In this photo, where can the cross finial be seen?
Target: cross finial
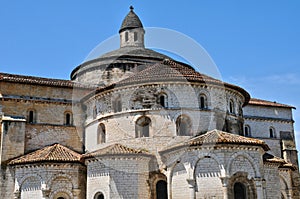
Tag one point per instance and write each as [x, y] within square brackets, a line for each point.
[131, 8]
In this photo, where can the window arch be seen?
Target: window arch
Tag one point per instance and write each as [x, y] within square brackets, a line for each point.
[203, 101]
[142, 127]
[99, 195]
[68, 118]
[161, 190]
[163, 100]
[183, 126]
[117, 104]
[135, 35]
[94, 112]
[126, 36]
[240, 191]
[101, 134]
[31, 116]
[247, 131]
[272, 132]
[231, 106]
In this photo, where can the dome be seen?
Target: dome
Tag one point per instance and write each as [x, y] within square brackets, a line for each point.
[131, 21]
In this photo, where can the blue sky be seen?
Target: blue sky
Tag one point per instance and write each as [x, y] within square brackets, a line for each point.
[255, 44]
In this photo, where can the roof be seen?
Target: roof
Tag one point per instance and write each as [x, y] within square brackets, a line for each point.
[221, 137]
[115, 149]
[53, 153]
[5, 77]
[131, 21]
[260, 102]
[132, 51]
[217, 137]
[170, 70]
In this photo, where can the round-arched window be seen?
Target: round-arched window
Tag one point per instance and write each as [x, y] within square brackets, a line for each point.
[99, 195]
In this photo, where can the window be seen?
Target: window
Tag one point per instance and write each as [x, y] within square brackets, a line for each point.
[31, 118]
[142, 127]
[99, 195]
[101, 134]
[247, 132]
[68, 119]
[161, 190]
[135, 36]
[94, 112]
[239, 191]
[203, 101]
[272, 132]
[231, 106]
[183, 126]
[126, 36]
[162, 100]
[117, 105]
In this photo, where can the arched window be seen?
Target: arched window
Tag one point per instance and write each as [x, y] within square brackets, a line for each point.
[142, 127]
[163, 100]
[161, 190]
[231, 106]
[272, 132]
[183, 126]
[135, 36]
[94, 112]
[99, 195]
[239, 191]
[101, 134]
[117, 105]
[68, 119]
[31, 116]
[126, 36]
[247, 131]
[202, 101]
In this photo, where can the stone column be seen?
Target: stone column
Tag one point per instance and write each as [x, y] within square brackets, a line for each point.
[259, 188]
[76, 193]
[17, 194]
[169, 183]
[45, 191]
[192, 183]
[225, 186]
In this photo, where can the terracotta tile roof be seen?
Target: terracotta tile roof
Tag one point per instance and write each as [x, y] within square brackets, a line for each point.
[221, 137]
[53, 153]
[169, 70]
[260, 102]
[216, 137]
[5, 77]
[115, 149]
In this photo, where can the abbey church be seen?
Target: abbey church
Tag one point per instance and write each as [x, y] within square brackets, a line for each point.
[136, 124]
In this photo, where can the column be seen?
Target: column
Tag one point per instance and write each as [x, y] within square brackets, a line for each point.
[76, 193]
[17, 194]
[225, 186]
[45, 191]
[192, 183]
[259, 188]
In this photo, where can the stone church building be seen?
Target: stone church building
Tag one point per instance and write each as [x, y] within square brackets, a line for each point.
[134, 123]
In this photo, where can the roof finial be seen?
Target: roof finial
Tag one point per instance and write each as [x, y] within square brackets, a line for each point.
[131, 8]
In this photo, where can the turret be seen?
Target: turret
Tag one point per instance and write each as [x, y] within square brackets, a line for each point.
[132, 31]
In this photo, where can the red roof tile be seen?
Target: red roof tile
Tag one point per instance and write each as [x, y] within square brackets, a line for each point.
[53, 153]
[115, 149]
[260, 102]
[216, 137]
[169, 70]
[221, 137]
[5, 77]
